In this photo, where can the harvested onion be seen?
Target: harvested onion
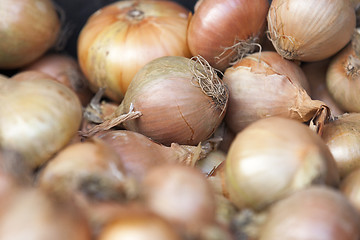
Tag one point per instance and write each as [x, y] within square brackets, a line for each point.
[343, 81]
[350, 187]
[342, 137]
[65, 69]
[120, 38]
[28, 29]
[172, 99]
[315, 213]
[39, 116]
[274, 157]
[310, 30]
[223, 31]
[263, 85]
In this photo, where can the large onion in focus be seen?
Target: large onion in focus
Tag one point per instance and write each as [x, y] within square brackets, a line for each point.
[39, 116]
[27, 30]
[120, 38]
[310, 30]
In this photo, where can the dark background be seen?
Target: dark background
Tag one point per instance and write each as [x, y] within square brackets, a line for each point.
[76, 13]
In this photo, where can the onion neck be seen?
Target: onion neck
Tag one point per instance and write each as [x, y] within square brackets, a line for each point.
[135, 14]
[353, 66]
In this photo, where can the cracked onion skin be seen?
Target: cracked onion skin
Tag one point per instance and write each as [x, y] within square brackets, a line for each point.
[121, 37]
[39, 117]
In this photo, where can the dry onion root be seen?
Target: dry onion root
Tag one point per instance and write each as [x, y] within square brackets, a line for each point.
[263, 85]
[341, 135]
[172, 100]
[310, 30]
[274, 157]
[224, 31]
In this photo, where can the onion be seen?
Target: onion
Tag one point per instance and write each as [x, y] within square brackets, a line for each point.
[120, 38]
[350, 186]
[65, 69]
[138, 154]
[39, 118]
[315, 213]
[28, 29]
[342, 137]
[223, 31]
[274, 157]
[139, 226]
[91, 169]
[263, 85]
[180, 194]
[316, 74]
[41, 216]
[310, 30]
[172, 99]
[343, 81]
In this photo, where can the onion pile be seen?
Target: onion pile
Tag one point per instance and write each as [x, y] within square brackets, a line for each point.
[120, 38]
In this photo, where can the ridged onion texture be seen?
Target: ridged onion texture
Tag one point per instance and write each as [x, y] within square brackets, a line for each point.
[120, 38]
[263, 85]
[274, 157]
[27, 30]
[179, 100]
[310, 30]
[342, 135]
[39, 116]
[343, 79]
[223, 31]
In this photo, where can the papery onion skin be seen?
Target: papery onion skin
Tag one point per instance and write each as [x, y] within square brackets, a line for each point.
[342, 137]
[27, 30]
[66, 70]
[343, 80]
[220, 24]
[120, 38]
[315, 213]
[272, 87]
[274, 157]
[39, 118]
[310, 30]
[174, 108]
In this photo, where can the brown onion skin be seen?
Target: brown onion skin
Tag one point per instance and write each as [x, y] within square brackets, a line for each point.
[217, 24]
[342, 137]
[316, 74]
[112, 46]
[350, 187]
[65, 69]
[29, 29]
[343, 84]
[273, 87]
[274, 157]
[180, 194]
[315, 213]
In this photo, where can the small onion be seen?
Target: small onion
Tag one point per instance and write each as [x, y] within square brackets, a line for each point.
[65, 69]
[310, 30]
[343, 80]
[39, 116]
[31, 213]
[263, 85]
[274, 157]
[315, 72]
[138, 154]
[91, 169]
[139, 226]
[315, 213]
[120, 38]
[175, 99]
[350, 187]
[28, 29]
[180, 194]
[223, 31]
[342, 136]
